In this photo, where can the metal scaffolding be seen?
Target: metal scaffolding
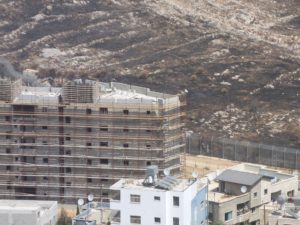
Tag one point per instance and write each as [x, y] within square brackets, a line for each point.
[57, 149]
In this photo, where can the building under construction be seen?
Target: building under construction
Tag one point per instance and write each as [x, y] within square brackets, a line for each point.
[64, 143]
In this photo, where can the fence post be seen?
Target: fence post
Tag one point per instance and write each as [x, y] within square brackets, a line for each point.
[284, 157]
[272, 156]
[296, 164]
[247, 152]
[259, 153]
[235, 150]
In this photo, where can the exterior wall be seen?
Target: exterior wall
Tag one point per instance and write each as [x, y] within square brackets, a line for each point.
[190, 211]
[231, 206]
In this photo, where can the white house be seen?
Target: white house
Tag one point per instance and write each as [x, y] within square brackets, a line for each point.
[168, 201]
[27, 212]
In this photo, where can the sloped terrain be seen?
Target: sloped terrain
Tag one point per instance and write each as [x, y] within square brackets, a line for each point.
[239, 60]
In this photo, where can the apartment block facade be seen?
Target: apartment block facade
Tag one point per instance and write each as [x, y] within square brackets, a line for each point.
[63, 143]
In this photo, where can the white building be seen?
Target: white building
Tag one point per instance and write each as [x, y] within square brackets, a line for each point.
[169, 201]
[21, 212]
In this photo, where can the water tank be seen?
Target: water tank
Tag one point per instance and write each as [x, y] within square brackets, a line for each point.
[152, 171]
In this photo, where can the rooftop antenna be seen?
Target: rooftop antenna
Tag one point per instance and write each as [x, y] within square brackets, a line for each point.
[244, 189]
[80, 203]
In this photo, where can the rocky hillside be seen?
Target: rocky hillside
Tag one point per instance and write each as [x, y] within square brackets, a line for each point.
[239, 59]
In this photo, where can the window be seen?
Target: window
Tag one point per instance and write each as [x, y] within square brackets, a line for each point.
[68, 170]
[45, 178]
[103, 110]
[156, 198]
[228, 216]
[266, 191]
[7, 136]
[253, 210]
[125, 130]
[7, 118]
[45, 142]
[44, 127]
[8, 150]
[68, 119]
[68, 138]
[254, 194]
[45, 160]
[175, 201]
[104, 144]
[68, 152]
[88, 111]
[156, 220]
[44, 109]
[104, 161]
[175, 221]
[104, 180]
[290, 193]
[135, 219]
[104, 128]
[125, 145]
[89, 162]
[89, 129]
[148, 146]
[88, 144]
[148, 112]
[135, 198]
[89, 180]
[126, 112]
[68, 184]
[148, 163]
[126, 163]
[148, 131]
[8, 168]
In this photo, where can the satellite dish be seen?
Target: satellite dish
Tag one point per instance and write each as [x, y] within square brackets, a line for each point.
[194, 174]
[281, 200]
[80, 202]
[244, 189]
[166, 172]
[90, 197]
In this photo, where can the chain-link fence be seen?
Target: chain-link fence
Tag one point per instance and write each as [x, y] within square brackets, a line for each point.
[244, 151]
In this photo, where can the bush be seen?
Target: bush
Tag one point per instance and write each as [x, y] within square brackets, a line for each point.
[64, 219]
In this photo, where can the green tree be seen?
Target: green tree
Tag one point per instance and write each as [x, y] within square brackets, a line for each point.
[218, 223]
[77, 210]
[64, 219]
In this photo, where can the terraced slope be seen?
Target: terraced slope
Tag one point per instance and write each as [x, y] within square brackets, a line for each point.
[239, 60]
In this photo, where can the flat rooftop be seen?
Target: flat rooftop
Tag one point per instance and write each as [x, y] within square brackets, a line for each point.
[105, 92]
[26, 205]
[35, 95]
[181, 186]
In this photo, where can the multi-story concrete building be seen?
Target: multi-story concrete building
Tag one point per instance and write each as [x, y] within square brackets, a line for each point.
[237, 194]
[20, 212]
[166, 201]
[64, 143]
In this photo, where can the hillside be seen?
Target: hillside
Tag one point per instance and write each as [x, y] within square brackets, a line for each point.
[239, 59]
